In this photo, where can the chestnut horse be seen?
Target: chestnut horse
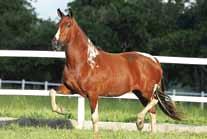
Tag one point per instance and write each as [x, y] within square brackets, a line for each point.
[91, 73]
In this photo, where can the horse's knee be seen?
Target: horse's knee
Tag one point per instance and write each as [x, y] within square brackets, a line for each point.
[52, 92]
[63, 89]
[94, 116]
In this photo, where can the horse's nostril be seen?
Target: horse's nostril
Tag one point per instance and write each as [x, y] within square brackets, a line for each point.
[56, 45]
[54, 41]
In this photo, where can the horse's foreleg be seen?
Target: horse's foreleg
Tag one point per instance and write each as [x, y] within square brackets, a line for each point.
[55, 108]
[94, 115]
[141, 115]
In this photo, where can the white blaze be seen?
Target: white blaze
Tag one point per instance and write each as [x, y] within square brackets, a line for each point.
[148, 55]
[57, 35]
[92, 53]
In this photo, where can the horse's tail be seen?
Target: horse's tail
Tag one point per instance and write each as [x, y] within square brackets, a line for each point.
[166, 104]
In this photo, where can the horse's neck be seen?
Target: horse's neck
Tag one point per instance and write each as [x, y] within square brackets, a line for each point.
[81, 51]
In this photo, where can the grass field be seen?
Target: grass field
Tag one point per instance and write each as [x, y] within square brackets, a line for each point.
[109, 109]
[16, 132]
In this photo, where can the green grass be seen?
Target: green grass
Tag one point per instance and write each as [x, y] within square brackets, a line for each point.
[17, 132]
[109, 109]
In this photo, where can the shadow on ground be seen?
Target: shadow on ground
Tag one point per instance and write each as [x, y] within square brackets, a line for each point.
[26, 122]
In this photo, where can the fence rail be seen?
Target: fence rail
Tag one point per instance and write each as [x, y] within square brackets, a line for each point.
[129, 95]
[23, 85]
[54, 54]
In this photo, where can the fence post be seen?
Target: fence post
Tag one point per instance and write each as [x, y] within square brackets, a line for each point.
[23, 84]
[81, 111]
[46, 85]
[0, 83]
[174, 92]
[202, 95]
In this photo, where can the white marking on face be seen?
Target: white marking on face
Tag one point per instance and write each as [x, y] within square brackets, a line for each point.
[92, 53]
[148, 55]
[57, 35]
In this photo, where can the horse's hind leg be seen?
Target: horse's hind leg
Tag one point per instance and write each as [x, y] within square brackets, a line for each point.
[152, 113]
[55, 108]
[149, 107]
[140, 118]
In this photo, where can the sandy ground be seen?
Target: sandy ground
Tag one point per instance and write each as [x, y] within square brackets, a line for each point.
[164, 127]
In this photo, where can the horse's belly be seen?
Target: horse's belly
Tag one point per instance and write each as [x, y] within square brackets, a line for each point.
[115, 94]
[118, 87]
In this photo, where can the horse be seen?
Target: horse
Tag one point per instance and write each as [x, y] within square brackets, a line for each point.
[92, 72]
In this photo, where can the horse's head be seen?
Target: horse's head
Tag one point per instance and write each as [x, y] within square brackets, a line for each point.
[63, 35]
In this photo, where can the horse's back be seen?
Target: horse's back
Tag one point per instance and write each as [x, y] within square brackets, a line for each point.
[143, 64]
[136, 63]
[127, 71]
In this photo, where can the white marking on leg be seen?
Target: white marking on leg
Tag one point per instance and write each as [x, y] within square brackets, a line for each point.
[53, 101]
[148, 55]
[155, 88]
[55, 107]
[95, 119]
[152, 103]
[141, 115]
[57, 35]
[153, 122]
[92, 53]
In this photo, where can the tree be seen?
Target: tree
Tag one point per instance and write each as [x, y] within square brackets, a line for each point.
[16, 19]
[21, 29]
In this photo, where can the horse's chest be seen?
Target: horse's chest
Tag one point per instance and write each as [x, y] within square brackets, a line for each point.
[69, 78]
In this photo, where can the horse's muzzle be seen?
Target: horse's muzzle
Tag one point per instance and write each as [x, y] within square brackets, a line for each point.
[55, 44]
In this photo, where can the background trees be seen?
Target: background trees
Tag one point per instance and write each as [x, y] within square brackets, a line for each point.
[21, 29]
[150, 26]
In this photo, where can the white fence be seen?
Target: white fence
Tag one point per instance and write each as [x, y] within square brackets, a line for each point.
[54, 54]
[81, 111]
[22, 84]
[45, 85]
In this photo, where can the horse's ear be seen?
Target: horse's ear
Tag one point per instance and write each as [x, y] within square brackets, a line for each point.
[60, 13]
[70, 14]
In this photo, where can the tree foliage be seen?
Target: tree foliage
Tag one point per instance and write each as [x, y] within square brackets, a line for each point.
[21, 29]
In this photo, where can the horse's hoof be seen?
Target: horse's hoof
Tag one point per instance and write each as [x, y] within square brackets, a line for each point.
[140, 124]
